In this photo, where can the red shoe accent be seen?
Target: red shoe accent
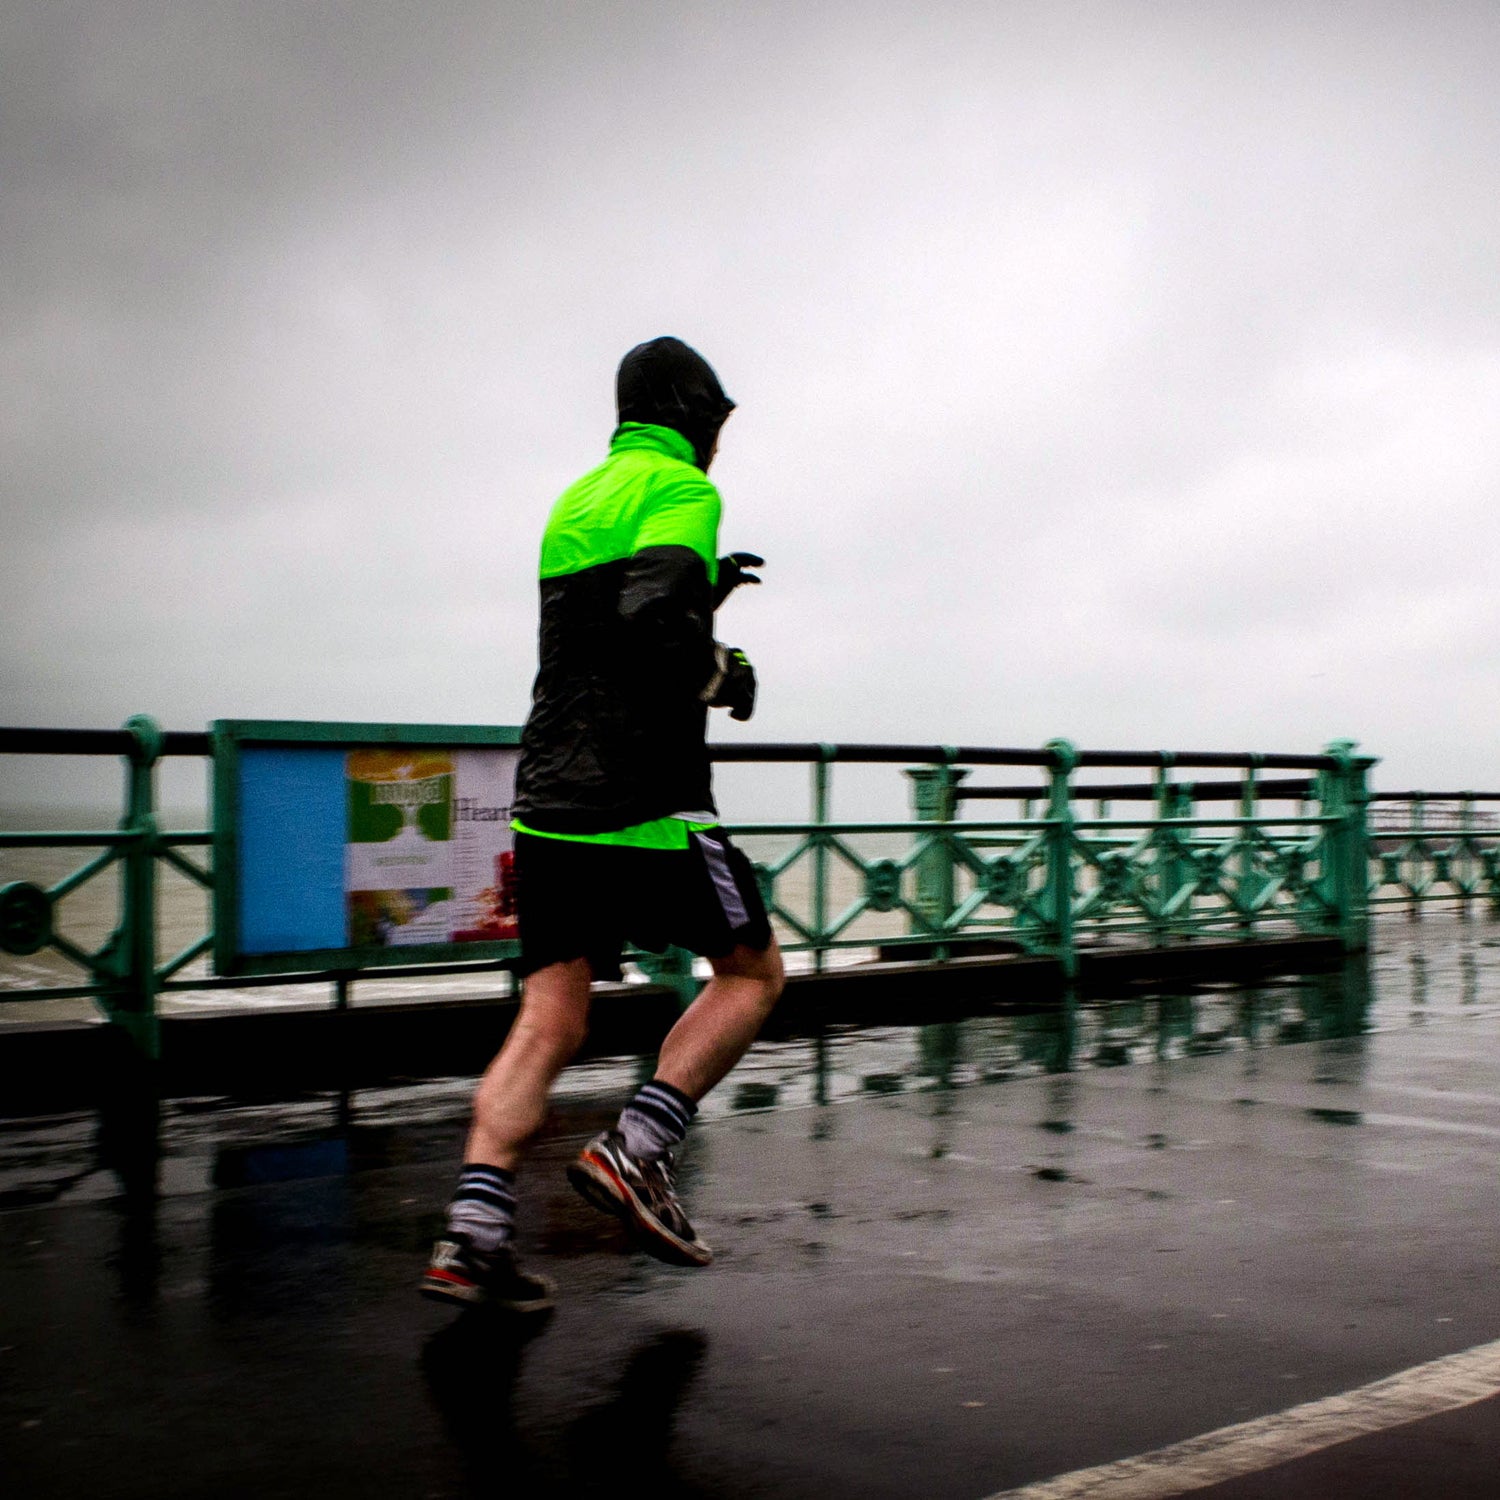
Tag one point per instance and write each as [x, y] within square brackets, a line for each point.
[609, 1172]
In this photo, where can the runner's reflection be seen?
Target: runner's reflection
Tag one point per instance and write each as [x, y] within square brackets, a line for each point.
[638, 1420]
[473, 1369]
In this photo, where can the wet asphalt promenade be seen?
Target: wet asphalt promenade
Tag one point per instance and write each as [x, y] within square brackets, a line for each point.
[944, 1271]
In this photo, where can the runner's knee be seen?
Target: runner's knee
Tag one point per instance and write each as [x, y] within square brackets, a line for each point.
[553, 1030]
[762, 967]
[775, 974]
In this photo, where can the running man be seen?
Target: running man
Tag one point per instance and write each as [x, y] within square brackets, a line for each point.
[617, 837]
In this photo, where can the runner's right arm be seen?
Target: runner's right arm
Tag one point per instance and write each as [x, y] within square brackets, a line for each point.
[667, 598]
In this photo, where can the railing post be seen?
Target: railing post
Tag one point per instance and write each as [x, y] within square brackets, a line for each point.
[1176, 801]
[1464, 855]
[821, 775]
[1345, 877]
[131, 1000]
[1173, 800]
[933, 800]
[1245, 884]
[1058, 903]
[1419, 844]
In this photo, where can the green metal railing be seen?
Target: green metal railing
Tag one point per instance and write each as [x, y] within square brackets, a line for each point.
[1073, 861]
[1051, 878]
[125, 975]
[1434, 846]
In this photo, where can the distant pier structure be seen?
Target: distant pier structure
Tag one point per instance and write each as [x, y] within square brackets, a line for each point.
[1428, 813]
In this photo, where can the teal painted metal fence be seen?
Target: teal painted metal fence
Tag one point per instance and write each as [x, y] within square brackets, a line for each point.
[1070, 860]
[1434, 846]
[1067, 866]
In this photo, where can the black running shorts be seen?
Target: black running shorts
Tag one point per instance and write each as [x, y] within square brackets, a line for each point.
[582, 900]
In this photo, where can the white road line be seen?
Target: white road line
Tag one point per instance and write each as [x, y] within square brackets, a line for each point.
[1443, 1096]
[1247, 1448]
[1441, 1127]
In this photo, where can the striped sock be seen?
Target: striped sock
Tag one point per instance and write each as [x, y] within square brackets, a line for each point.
[656, 1120]
[484, 1206]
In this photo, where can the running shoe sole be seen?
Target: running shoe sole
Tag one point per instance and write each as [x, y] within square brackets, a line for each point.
[468, 1296]
[440, 1285]
[597, 1182]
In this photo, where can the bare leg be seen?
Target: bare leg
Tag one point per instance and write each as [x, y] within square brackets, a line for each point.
[511, 1101]
[712, 1034]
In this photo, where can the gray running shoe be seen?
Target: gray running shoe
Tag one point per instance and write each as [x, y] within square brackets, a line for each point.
[466, 1277]
[641, 1192]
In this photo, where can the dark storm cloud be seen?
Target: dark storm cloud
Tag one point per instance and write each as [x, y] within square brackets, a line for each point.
[1124, 371]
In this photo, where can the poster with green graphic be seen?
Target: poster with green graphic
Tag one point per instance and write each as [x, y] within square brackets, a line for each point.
[427, 858]
[341, 846]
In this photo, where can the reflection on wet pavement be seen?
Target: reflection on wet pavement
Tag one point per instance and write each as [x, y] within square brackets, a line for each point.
[255, 1259]
[1440, 967]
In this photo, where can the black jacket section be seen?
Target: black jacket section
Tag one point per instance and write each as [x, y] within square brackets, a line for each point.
[616, 731]
[667, 383]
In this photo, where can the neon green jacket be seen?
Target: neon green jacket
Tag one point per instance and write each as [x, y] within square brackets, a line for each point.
[615, 735]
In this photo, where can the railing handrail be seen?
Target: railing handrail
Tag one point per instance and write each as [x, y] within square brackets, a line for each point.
[1299, 790]
[41, 741]
[983, 755]
[1435, 796]
[19, 741]
[880, 754]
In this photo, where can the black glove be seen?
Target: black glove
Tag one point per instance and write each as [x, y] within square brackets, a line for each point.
[733, 684]
[732, 574]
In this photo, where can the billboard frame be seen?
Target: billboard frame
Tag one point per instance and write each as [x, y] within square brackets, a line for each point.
[228, 738]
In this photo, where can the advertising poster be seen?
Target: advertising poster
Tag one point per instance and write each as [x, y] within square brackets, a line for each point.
[370, 847]
[428, 854]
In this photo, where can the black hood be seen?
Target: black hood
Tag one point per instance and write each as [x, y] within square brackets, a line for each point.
[667, 383]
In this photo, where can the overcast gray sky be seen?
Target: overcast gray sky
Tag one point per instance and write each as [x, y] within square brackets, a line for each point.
[1128, 372]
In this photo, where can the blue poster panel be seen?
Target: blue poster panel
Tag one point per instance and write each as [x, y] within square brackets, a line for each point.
[345, 853]
[291, 850]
